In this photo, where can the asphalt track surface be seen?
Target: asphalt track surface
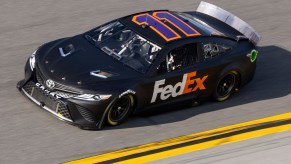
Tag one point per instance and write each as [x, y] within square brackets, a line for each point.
[271, 149]
[30, 135]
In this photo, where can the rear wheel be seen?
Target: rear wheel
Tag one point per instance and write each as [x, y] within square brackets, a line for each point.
[226, 86]
[120, 110]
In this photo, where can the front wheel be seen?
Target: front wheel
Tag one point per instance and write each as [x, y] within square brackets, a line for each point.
[120, 110]
[226, 86]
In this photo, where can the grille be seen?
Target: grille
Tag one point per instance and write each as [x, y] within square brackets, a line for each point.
[87, 114]
[63, 110]
[48, 100]
[28, 87]
[41, 79]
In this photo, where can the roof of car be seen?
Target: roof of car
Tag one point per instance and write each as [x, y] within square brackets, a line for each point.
[164, 26]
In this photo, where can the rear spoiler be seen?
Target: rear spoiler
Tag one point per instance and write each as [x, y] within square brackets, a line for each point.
[230, 19]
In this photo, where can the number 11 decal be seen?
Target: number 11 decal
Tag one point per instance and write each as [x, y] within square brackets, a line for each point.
[156, 24]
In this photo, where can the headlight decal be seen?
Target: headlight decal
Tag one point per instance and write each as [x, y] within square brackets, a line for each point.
[91, 97]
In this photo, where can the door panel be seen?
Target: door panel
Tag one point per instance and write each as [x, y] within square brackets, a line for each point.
[185, 83]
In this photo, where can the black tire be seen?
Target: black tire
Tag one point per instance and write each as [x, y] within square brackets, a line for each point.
[120, 110]
[226, 86]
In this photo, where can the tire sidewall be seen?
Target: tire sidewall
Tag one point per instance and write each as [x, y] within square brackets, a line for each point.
[115, 123]
[215, 95]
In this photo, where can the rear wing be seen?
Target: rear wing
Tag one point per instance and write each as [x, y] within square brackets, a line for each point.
[230, 19]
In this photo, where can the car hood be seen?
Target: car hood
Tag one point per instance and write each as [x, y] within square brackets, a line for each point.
[75, 61]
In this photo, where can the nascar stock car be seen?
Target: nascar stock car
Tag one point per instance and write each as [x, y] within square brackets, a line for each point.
[141, 62]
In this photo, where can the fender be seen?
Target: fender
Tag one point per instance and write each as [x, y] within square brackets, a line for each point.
[100, 125]
[232, 67]
[129, 91]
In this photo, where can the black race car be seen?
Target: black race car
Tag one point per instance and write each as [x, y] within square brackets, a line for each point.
[142, 62]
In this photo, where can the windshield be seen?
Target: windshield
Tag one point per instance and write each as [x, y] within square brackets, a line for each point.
[126, 46]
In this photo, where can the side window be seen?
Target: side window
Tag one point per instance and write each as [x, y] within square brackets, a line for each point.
[208, 51]
[178, 58]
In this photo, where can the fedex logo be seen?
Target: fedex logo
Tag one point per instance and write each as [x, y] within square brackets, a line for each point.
[190, 83]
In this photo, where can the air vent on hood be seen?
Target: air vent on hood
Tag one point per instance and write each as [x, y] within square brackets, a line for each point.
[67, 50]
[102, 74]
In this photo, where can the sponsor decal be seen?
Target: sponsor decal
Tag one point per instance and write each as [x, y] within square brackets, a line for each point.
[53, 94]
[50, 84]
[127, 92]
[190, 83]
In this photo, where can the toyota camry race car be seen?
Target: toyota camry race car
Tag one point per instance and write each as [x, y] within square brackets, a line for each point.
[141, 62]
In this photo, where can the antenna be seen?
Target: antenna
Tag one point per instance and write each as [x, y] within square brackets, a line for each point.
[147, 24]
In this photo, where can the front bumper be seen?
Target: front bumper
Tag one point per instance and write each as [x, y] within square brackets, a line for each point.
[81, 113]
[45, 106]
